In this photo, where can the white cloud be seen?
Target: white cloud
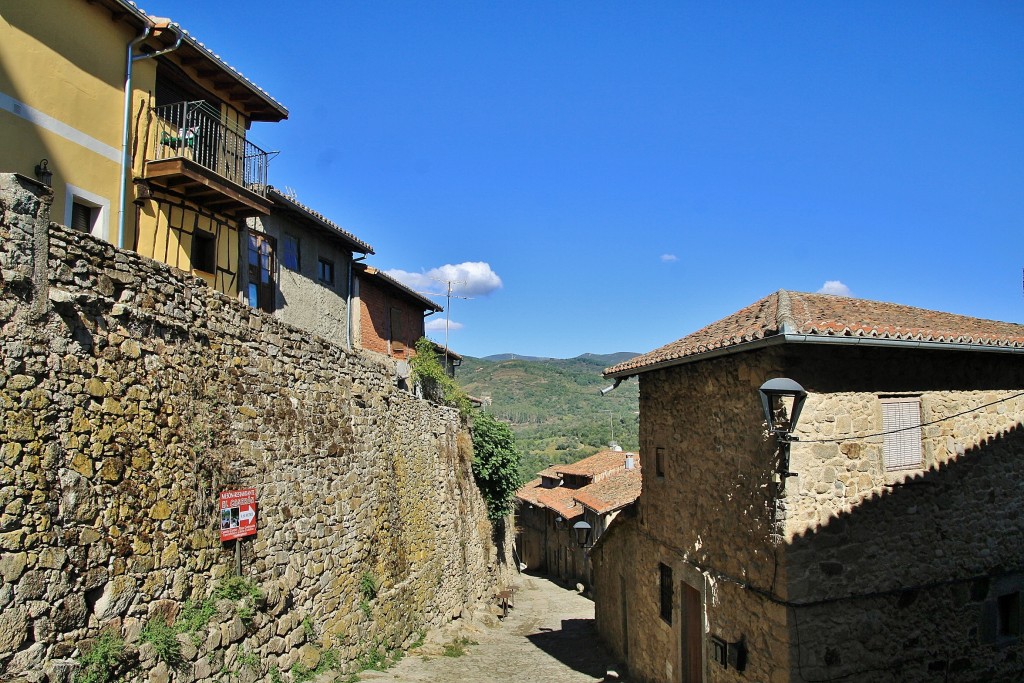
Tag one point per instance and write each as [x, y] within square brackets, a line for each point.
[472, 278]
[669, 258]
[834, 287]
[437, 325]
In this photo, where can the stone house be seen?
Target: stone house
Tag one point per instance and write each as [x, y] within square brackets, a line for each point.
[592, 490]
[887, 548]
[162, 166]
[388, 316]
[300, 268]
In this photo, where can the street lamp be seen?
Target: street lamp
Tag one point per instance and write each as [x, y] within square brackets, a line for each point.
[582, 531]
[43, 173]
[789, 397]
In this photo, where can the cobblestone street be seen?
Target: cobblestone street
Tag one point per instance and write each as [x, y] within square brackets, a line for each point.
[548, 637]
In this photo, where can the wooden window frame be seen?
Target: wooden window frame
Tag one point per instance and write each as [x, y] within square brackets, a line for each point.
[323, 266]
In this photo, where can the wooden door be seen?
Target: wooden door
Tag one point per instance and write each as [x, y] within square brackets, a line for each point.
[692, 635]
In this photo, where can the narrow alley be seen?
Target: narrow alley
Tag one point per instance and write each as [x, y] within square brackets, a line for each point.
[548, 637]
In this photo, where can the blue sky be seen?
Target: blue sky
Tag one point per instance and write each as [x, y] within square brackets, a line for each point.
[630, 172]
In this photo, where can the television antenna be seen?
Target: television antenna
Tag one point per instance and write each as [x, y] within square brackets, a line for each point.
[448, 307]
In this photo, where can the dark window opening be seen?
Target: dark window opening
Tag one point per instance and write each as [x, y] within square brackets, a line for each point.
[325, 271]
[659, 461]
[1009, 614]
[82, 217]
[666, 593]
[204, 251]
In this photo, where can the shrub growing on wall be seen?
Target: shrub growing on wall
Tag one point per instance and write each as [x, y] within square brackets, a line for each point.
[495, 464]
[437, 385]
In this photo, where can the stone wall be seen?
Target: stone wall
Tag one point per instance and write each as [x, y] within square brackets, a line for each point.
[913, 562]
[846, 571]
[131, 394]
[711, 519]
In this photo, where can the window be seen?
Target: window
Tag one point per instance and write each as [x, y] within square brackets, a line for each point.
[204, 251]
[666, 592]
[82, 217]
[396, 330]
[659, 461]
[290, 252]
[86, 212]
[901, 422]
[1008, 615]
[325, 271]
[261, 272]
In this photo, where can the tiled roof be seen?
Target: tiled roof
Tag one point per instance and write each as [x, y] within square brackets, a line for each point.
[597, 464]
[826, 317]
[291, 204]
[613, 486]
[387, 279]
[528, 492]
[550, 472]
[275, 110]
[562, 500]
[611, 493]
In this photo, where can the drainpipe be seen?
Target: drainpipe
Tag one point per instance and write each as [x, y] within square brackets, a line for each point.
[348, 304]
[155, 23]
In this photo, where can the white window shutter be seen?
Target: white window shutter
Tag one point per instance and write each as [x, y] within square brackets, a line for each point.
[901, 422]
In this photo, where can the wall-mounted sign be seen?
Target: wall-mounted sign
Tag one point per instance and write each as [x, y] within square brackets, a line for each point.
[237, 514]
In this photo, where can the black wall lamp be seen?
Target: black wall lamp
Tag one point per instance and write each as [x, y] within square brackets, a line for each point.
[43, 173]
[582, 531]
[782, 399]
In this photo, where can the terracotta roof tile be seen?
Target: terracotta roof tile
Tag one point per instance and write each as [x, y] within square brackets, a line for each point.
[562, 500]
[611, 493]
[294, 205]
[827, 315]
[598, 464]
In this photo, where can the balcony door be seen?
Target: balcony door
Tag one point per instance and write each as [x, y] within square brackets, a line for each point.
[262, 269]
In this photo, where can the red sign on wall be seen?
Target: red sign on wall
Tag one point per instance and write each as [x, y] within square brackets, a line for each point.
[237, 514]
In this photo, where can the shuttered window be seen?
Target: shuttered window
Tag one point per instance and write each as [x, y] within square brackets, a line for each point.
[901, 422]
[81, 217]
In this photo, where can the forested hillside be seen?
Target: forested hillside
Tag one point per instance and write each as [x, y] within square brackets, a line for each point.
[554, 406]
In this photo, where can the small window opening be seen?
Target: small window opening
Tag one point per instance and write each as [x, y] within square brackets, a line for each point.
[1009, 614]
[204, 251]
[82, 217]
[325, 271]
[659, 461]
[666, 592]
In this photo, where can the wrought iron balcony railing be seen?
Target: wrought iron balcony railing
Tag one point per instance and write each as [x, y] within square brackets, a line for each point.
[194, 131]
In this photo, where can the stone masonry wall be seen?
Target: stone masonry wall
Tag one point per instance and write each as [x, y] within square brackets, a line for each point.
[711, 518]
[131, 394]
[847, 572]
[914, 562]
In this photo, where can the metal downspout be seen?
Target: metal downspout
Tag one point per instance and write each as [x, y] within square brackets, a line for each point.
[129, 61]
[348, 304]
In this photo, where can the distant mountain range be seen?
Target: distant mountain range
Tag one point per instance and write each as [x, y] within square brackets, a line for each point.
[555, 406]
[609, 358]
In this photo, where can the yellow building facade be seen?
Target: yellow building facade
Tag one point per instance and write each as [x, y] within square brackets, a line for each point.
[171, 175]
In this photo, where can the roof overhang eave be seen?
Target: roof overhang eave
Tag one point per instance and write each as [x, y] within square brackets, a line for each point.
[792, 338]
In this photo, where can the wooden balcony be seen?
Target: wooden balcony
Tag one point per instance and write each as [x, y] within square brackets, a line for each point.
[194, 154]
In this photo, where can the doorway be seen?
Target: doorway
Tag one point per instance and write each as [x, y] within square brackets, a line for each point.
[691, 635]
